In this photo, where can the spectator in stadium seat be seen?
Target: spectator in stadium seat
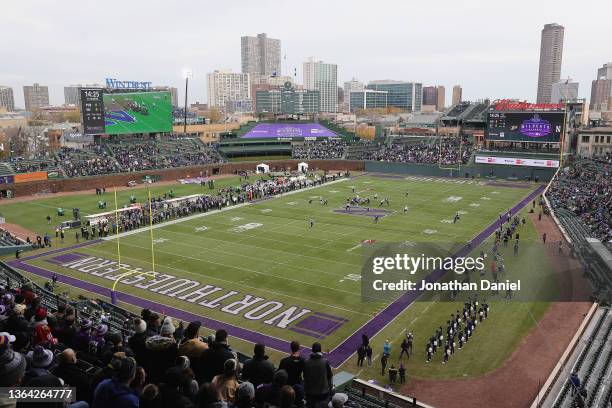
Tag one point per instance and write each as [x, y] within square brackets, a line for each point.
[136, 343]
[40, 362]
[115, 392]
[293, 365]
[161, 352]
[208, 397]
[82, 337]
[245, 395]
[192, 345]
[17, 325]
[12, 364]
[68, 370]
[171, 395]
[269, 394]
[287, 397]
[226, 383]
[258, 370]
[41, 331]
[317, 377]
[214, 358]
[150, 397]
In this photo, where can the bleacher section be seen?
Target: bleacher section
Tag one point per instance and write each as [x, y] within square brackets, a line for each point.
[592, 363]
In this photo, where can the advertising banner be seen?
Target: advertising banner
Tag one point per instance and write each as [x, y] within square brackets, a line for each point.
[35, 176]
[514, 161]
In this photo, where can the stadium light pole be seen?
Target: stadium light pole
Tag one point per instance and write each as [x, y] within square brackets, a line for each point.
[188, 74]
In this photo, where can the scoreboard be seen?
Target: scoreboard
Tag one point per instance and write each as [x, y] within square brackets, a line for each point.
[526, 126]
[92, 108]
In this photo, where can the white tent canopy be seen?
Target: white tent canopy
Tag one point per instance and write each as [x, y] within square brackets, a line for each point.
[303, 167]
[262, 168]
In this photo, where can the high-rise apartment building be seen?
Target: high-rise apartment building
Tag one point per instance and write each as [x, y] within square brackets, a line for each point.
[351, 86]
[440, 104]
[72, 95]
[368, 99]
[400, 94]
[601, 94]
[564, 91]
[260, 55]
[322, 77]
[224, 86]
[7, 99]
[430, 95]
[605, 71]
[551, 54]
[35, 96]
[457, 94]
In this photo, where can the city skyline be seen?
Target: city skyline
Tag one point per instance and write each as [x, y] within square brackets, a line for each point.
[486, 61]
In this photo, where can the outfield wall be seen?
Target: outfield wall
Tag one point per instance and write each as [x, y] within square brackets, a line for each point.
[121, 179]
[472, 170]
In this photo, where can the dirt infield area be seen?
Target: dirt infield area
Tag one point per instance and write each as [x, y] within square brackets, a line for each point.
[517, 382]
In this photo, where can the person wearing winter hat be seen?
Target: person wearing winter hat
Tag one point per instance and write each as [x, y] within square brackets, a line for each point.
[338, 400]
[81, 339]
[245, 395]
[42, 331]
[116, 391]
[40, 357]
[167, 328]
[227, 383]
[269, 394]
[171, 395]
[12, 365]
[137, 341]
[161, 351]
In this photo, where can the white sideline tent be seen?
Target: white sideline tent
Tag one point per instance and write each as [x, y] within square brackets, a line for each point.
[262, 168]
[303, 167]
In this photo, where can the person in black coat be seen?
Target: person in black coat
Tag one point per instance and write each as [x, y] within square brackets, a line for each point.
[213, 359]
[136, 343]
[68, 370]
[258, 370]
[293, 365]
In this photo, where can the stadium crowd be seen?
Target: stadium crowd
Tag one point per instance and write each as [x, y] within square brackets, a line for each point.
[93, 161]
[158, 364]
[165, 209]
[449, 151]
[149, 155]
[585, 189]
[326, 149]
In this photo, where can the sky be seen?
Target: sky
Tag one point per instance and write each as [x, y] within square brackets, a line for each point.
[491, 48]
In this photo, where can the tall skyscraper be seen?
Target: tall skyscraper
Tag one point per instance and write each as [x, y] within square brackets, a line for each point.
[457, 94]
[7, 100]
[605, 71]
[72, 95]
[351, 86]
[35, 96]
[601, 94]
[260, 55]
[441, 99]
[551, 54]
[430, 95]
[400, 94]
[227, 86]
[322, 77]
[564, 91]
[601, 89]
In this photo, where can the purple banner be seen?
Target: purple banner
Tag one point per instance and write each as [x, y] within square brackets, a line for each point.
[283, 130]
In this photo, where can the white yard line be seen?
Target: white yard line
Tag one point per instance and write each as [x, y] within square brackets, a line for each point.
[205, 214]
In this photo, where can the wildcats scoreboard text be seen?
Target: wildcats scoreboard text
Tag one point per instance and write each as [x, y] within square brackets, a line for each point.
[528, 126]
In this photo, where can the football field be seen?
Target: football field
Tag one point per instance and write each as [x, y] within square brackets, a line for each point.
[262, 271]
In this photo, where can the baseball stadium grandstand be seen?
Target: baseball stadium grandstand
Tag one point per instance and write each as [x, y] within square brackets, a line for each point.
[244, 265]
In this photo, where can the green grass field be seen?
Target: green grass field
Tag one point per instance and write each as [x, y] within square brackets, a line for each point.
[158, 117]
[267, 250]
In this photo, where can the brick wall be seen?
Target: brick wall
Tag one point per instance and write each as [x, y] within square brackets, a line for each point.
[87, 183]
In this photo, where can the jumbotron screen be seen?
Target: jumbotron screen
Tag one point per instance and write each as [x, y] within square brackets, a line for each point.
[137, 112]
[544, 127]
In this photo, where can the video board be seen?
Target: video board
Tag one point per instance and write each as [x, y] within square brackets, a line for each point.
[543, 127]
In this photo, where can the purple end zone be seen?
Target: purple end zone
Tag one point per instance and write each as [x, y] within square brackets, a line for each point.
[65, 258]
[285, 130]
[372, 212]
[336, 357]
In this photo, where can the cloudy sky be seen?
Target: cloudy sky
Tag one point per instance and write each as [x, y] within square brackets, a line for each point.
[489, 47]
